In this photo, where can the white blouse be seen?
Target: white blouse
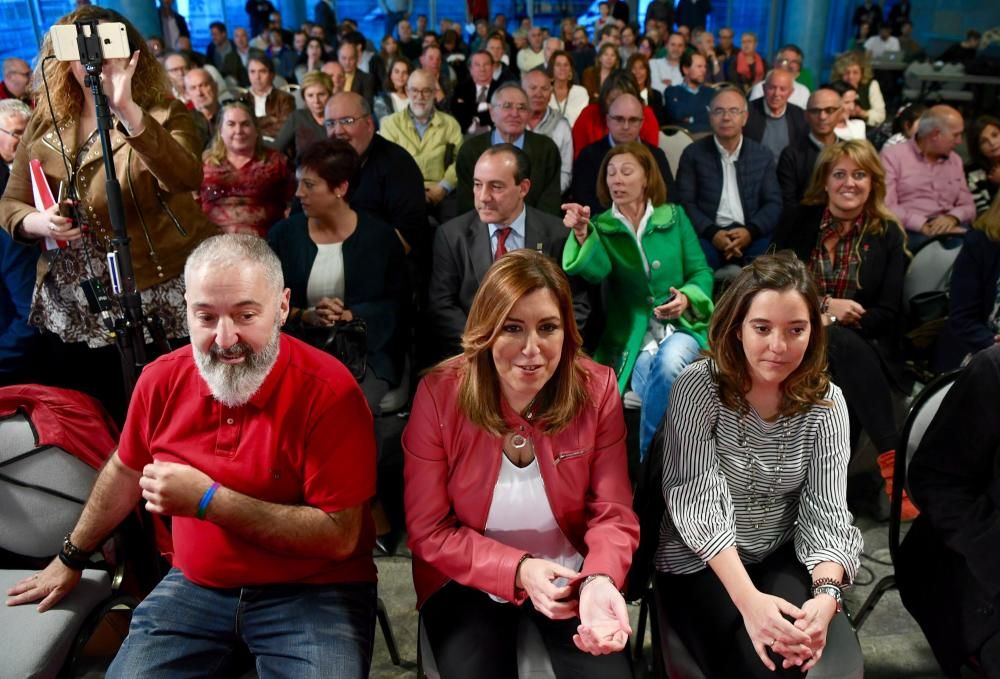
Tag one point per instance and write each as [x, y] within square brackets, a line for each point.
[326, 279]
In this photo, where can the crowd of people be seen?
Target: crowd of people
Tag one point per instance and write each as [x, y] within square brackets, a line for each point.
[493, 208]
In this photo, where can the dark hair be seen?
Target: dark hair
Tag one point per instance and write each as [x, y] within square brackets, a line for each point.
[263, 60]
[841, 87]
[620, 80]
[218, 25]
[907, 115]
[522, 164]
[432, 46]
[356, 37]
[639, 58]
[791, 47]
[387, 85]
[980, 125]
[482, 52]
[808, 383]
[552, 61]
[688, 58]
[335, 161]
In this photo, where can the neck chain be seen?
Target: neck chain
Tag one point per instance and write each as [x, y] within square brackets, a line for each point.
[519, 440]
[766, 501]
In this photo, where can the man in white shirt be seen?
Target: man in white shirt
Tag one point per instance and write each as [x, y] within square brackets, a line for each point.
[789, 59]
[549, 122]
[532, 55]
[878, 45]
[667, 71]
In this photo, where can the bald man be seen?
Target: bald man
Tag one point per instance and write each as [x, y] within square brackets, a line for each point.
[925, 181]
[773, 120]
[16, 75]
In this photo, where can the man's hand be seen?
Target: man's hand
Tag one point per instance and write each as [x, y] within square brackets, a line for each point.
[722, 240]
[50, 585]
[173, 489]
[604, 626]
[942, 225]
[739, 241]
[435, 194]
[536, 576]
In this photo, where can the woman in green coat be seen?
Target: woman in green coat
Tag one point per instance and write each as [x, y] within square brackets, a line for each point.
[659, 284]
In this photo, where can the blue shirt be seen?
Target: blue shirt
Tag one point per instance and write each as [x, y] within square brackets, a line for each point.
[688, 109]
[515, 239]
[17, 283]
[496, 139]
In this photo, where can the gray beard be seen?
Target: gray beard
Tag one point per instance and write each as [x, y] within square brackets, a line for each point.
[233, 385]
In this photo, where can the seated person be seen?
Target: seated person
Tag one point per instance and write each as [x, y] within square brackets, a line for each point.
[355, 80]
[789, 58]
[518, 501]
[947, 567]
[973, 313]
[509, 110]
[686, 103]
[925, 180]
[465, 247]
[18, 339]
[797, 161]
[470, 101]
[247, 187]
[659, 305]
[343, 264]
[305, 125]
[294, 543]
[270, 105]
[567, 98]
[983, 172]
[733, 211]
[850, 126]
[855, 69]
[592, 123]
[548, 122]
[203, 94]
[638, 66]
[432, 137]
[854, 249]
[747, 67]
[624, 121]
[14, 116]
[757, 542]
[665, 71]
[773, 120]
[608, 61]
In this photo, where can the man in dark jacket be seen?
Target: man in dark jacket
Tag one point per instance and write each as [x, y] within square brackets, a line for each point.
[773, 121]
[470, 102]
[797, 161]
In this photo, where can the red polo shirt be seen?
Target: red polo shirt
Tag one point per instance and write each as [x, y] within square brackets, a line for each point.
[305, 438]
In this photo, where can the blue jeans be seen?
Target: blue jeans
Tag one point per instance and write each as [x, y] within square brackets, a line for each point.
[714, 257]
[184, 630]
[653, 377]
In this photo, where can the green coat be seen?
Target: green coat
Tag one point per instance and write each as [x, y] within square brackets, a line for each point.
[675, 260]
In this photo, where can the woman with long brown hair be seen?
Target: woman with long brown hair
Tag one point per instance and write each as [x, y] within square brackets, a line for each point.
[567, 98]
[757, 543]
[518, 502]
[608, 61]
[854, 249]
[156, 150]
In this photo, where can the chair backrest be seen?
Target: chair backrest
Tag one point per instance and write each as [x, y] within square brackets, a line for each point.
[673, 146]
[930, 269]
[42, 491]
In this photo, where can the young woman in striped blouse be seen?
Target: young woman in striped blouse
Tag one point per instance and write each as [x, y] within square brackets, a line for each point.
[754, 478]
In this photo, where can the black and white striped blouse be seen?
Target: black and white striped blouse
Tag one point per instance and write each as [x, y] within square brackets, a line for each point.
[732, 480]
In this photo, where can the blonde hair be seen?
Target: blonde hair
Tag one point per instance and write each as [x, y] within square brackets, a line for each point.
[656, 189]
[149, 82]
[316, 78]
[852, 59]
[989, 221]
[215, 154]
[516, 274]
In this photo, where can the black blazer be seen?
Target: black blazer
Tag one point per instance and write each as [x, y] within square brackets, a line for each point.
[795, 117]
[364, 84]
[880, 276]
[795, 169]
[463, 104]
[375, 287]
[546, 164]
[655, 102]
[587, 166]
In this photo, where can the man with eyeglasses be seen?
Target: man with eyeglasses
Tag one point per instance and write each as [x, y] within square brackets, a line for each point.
[686, 104]
[774, 121]
[728, 186]
[510, 110]
[16, 76]
[14, 116]
[797, 161]
[431, 137]
[625, 118]
[177, 65]
[789, 58]
[389, 184]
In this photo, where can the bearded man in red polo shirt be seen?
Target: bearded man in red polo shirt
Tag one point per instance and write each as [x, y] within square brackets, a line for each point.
[262, 451]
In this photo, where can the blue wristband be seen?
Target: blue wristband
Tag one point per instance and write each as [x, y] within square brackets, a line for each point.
[205, 499]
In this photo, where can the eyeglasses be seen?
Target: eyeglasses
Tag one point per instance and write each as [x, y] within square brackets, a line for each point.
[626, 122]
[346, 121]
[828, 111]
[426, 92]
[16, 135]
[508, 106]
[722, 112]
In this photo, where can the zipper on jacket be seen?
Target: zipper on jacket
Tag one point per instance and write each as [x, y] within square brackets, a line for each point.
[570, 455]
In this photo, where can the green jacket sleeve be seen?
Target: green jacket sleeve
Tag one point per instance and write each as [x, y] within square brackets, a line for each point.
[589, 261]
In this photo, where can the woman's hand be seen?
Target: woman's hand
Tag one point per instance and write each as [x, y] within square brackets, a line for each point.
[116, 78]
[50, 224]
[819, 612]
[577, 218]
[604, 626]
[764, 619]
[536, 577]
[329, 310]
[673, 309]
[847, 311]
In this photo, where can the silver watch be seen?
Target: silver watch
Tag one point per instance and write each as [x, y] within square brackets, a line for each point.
[833, 591]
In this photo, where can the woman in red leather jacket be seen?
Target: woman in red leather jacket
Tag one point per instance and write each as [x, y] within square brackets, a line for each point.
[518, 500]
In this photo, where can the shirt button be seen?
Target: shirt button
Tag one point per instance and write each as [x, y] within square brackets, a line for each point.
[650, 300]
[656, 264]
[229, 420]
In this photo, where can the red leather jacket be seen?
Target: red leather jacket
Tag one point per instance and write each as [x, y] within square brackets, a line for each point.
[452, 466]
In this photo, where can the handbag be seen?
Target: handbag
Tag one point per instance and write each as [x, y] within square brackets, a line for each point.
[347, 341]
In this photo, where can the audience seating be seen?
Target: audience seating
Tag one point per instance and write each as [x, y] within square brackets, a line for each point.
[922, 412]
[673, 141]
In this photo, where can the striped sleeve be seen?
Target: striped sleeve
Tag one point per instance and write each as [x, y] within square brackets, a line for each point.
[694, 487]
[825, 526]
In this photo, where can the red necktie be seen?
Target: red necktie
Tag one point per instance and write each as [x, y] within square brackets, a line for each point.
[501, 242]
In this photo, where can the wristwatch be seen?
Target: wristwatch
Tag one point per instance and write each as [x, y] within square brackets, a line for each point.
[832, 319]
[833, 591]
[72, 556]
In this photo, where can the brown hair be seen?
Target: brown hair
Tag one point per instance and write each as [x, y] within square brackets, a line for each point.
[851, 59]
[808, 383]
[639, 57]
[513, 276]
[387, 85]
[149, 82]
[552, 61]
[989, 221]
[656, 190]
[215, 154]
[877, 215]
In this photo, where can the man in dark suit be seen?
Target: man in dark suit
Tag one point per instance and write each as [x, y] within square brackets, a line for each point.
[510, 111]
[277, 104]
[727, 185]
[470, 103]
[465, 247]
[497, 47]
[356, 80]
[773, 121]
[624, 122]
[797, 161]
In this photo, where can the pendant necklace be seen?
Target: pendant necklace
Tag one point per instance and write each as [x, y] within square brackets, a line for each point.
[518, 440]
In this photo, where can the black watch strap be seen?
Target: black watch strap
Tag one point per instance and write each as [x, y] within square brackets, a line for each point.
[72, 556]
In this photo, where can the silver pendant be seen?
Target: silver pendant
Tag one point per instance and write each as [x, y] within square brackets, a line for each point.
[518, 441]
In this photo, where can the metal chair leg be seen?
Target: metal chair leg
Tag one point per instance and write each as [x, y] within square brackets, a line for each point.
[386, 625]
[881, 587]
[640, 632]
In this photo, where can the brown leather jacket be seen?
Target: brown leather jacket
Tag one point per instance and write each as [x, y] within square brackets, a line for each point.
[158, 169]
